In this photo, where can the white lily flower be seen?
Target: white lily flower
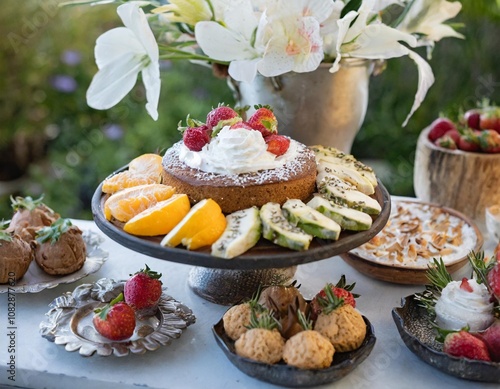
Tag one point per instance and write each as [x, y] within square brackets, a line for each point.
[185, 11]
[295, 45]
[234, 41]
[427, 17]
[121, 54]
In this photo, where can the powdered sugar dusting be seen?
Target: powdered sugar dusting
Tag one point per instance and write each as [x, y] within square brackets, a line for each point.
[289, 170]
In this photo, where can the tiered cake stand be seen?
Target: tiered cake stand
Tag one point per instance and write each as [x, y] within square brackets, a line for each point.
[225, 281]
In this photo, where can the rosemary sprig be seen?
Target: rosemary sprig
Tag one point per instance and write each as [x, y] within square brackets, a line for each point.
[54, 232]
[438, 276]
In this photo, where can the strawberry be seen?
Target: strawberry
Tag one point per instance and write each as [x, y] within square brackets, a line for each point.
[243, 125]
[472, 117]
[277, 144]
[340, 290]
[446, 142]
[493, 278]
[491, 336]
[468, 141]
[489, 141]
[439, 127]
[263, 120]
[220, 116]
[453, 134]
[465, 285]
[490, 119]
[143, 291]
[116, 320]
[196, 137]
[463, 344]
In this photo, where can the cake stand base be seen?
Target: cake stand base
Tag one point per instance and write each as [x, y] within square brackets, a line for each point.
[228, 287]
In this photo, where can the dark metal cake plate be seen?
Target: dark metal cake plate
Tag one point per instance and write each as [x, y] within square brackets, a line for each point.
[265, 255]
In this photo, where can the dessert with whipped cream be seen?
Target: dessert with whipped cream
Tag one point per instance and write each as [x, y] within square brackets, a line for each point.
[464, 303]
[239, 164]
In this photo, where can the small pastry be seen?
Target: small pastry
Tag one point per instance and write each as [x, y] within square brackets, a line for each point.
[60, 248]
[15, 257]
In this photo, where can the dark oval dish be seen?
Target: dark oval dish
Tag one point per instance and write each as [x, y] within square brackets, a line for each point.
[415, 328]
[284, 375]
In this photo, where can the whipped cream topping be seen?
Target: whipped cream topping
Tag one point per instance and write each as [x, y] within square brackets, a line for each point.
[236, 151]
[457, 308]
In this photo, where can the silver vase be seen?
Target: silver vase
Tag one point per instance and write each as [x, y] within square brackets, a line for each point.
[318, 107]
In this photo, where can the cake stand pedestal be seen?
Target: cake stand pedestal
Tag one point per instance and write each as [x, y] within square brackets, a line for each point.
[227, 282]
[228, 287]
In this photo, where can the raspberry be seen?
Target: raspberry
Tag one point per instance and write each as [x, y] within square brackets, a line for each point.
[277, 144]
[196, 137]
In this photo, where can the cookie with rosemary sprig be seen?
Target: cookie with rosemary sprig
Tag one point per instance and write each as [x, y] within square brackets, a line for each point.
[262, 341]
[60, 248]
[29, 216]
[340, 322]
[237, 318]
[15, 255]
[308, 349]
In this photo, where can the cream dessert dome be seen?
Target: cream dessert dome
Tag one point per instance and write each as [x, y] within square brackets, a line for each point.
[464, 303]
[239, 165]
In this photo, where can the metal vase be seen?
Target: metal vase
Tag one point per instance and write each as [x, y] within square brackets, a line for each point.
[318, 107]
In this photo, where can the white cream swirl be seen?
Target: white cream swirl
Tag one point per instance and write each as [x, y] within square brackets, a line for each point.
[457, 308]
[235, 151]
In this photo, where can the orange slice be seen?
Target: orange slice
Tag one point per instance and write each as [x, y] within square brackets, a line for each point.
[202, 226]
[159, 219]
[145, 169]
[127, 203]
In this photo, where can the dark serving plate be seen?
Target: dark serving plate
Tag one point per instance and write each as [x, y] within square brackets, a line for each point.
[283, 375]
[414, 326]
[264, 255]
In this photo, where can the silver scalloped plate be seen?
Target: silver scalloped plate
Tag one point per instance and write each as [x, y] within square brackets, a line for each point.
[69, 322]
[36, 280]
[416, 330]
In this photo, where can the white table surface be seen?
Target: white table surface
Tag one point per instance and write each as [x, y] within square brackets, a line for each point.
[194, 360]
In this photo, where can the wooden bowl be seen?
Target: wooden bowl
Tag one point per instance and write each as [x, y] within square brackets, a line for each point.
[401, 274]
[465, 181]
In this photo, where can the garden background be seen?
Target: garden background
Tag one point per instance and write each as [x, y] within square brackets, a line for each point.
[52, 143]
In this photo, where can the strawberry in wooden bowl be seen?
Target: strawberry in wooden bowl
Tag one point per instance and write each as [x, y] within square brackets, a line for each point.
[456, 162]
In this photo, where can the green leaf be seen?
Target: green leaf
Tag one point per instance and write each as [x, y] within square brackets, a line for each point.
[54, 232]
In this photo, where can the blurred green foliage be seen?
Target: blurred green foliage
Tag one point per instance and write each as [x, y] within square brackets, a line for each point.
[47, 63]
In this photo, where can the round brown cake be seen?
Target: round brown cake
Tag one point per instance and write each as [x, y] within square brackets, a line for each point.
[294, 180]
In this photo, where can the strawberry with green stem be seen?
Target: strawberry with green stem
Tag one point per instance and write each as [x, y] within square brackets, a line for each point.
[340, 322]
[220, 117]
[264, 120]
[116, 320]
[341, 289]
[463, 344]
[143, 291]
